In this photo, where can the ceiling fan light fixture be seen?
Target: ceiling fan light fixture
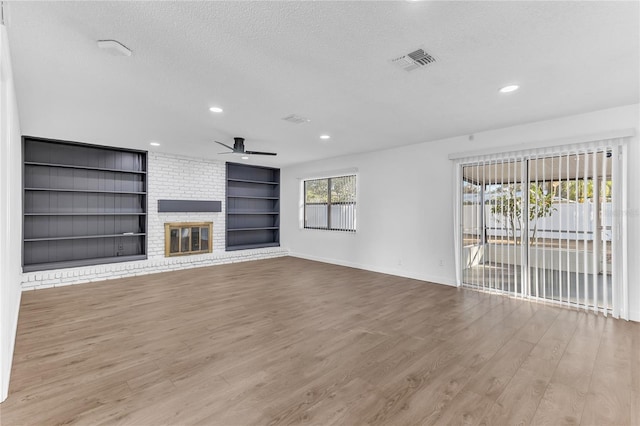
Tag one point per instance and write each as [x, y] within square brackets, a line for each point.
[238, 148]
[154, 143]
[245, 157]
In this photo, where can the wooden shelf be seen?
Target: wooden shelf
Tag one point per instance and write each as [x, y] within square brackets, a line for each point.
[73, 166]
[86, 214]
[262, 228]
[96, 191]
[253, 181]
[81, 262]
[249, 212]
[83, 237]
[252, 246]
[252, 197]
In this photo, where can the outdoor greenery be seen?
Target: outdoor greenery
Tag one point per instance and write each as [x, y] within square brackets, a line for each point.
[509, 207]
[316, 191]
[343, 190]
[581, 190]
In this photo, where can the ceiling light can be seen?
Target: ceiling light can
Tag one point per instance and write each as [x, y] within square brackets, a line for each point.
[509, 88]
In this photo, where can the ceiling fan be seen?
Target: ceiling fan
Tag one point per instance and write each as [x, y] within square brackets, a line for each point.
[238, 148]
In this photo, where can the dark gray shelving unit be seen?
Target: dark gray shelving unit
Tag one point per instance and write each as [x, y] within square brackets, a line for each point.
[83, 204]
[253, 207]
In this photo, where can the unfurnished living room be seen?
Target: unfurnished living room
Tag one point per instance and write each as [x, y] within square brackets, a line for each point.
[325, 213]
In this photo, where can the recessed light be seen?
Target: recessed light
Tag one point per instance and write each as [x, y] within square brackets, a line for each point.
[325, 137]
[244, 157]
[215, 109]
[511, 88]
[154, 144]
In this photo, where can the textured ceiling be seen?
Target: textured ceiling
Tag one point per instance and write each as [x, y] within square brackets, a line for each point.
[328, 61]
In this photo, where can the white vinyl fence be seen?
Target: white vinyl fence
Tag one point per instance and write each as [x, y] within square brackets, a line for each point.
[567, 221]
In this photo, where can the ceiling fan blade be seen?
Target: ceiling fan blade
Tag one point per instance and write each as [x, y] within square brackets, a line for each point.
[259, 153]
[225, 145]
[222, 153]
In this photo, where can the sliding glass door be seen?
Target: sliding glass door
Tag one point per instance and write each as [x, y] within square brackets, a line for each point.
[492, 236]
[541, 225]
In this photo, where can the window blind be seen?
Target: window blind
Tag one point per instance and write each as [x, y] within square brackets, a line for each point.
[544, 224]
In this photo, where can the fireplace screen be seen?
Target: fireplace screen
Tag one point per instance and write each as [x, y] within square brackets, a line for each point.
[187, 238]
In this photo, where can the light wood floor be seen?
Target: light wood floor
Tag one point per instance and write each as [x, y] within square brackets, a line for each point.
[289, 341]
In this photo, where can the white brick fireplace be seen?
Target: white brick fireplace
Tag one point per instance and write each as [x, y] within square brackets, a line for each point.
[169, 177]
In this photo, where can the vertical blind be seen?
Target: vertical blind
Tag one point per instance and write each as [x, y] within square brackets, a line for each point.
[544, 224]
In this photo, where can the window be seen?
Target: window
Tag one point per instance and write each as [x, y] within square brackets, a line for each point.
[330, 203]
[187, 238]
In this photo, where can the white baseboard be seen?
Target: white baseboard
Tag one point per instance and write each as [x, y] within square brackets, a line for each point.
[634, 315]
[375, 268]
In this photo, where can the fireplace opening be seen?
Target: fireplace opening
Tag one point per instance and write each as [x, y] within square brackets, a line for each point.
[184, 238]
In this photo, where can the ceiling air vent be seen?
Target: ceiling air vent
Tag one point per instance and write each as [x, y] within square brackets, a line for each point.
[296, 119]
[414, 60]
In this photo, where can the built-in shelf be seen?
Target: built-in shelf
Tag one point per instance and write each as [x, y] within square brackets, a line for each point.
[246, 213]
[90, 191]
[125, 234]
[73, 166]
[253, 207]
[112, 223]
[83, 262]
[254, 181]
[86, 214]
[252, 229]
[253, 197]
[252, 246]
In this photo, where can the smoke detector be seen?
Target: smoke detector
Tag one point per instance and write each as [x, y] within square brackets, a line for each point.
[296, 119]
[114, 47]
[414, 60]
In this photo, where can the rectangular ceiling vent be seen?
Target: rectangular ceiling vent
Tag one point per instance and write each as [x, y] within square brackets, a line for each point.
[414, 60]
[296, 119]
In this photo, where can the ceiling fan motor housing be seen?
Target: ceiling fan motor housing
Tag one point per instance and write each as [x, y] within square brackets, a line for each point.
[238, 144]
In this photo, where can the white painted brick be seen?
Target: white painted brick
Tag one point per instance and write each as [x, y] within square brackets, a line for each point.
[169, 177]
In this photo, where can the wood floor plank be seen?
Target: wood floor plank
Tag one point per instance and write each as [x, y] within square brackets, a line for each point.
[635, 408]
[493, 378]
[609, 397]
[291, 341]
[561, 405]
[468, 408]
[518, 403]
[546, 354]
[576, 365]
